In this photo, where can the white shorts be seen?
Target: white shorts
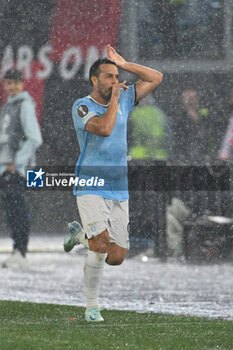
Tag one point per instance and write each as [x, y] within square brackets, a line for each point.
[98, 214]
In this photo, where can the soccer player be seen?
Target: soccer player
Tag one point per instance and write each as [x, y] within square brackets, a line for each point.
[100, 121]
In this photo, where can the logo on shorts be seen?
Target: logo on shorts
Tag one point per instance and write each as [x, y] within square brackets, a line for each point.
[93, 228]
[35, 178]
[82, 111]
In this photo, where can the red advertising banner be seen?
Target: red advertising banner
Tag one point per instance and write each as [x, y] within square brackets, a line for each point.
[84, 24]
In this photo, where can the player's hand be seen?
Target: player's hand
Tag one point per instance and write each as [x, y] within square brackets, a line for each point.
[117, 88]
[115, 57]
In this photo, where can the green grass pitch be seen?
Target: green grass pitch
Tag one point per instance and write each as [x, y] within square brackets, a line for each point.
[30, 326]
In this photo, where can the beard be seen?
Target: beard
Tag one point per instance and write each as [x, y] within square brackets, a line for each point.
[106, 94]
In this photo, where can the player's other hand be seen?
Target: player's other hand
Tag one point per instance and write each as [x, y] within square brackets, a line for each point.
[117, 88]
[115, 57]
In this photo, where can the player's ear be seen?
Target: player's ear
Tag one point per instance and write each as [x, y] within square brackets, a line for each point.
[94, 80]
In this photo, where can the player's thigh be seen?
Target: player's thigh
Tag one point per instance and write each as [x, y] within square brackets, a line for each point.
[94, 213]
[119, 224]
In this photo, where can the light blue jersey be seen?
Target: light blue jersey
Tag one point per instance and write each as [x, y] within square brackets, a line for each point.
[103, 157]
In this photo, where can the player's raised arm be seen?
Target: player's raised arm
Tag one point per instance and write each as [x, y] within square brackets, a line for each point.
[149, 78]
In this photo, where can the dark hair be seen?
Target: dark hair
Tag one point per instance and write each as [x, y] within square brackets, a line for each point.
[13, 74]
[94, 70]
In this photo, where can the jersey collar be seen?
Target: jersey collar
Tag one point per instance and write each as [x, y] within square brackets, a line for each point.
[91, 98]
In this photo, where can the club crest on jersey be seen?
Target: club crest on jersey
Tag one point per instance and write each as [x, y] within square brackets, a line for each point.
[82, 111]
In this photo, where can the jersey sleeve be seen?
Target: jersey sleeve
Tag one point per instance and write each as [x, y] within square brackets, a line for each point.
[131, 97]
[82, 112]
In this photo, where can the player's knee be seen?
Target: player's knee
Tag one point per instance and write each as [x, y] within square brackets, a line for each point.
[98, 247]
[102, 248]
[117, 260]
[116, 254]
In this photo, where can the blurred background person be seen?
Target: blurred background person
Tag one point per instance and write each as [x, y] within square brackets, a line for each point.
[189, 129]
[149, 132]
[189, 148]
[20, 137]
[149, 145]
